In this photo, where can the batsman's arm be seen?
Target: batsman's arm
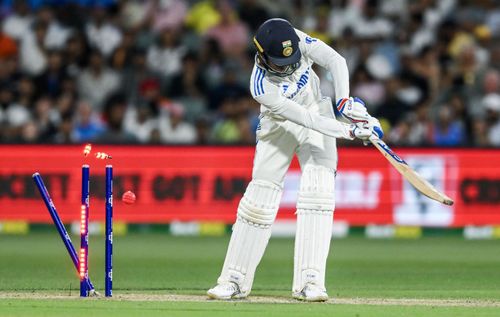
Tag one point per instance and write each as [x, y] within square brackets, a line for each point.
[328, 58]
[292, 111]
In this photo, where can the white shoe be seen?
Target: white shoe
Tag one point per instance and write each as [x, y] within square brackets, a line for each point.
[229, 290]
[311, 293]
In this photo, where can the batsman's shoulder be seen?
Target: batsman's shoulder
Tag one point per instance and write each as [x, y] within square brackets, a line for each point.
[261, 87]
[257, 81]
[306, 41]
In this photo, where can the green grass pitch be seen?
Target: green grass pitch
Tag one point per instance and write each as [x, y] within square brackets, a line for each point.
[432, 276]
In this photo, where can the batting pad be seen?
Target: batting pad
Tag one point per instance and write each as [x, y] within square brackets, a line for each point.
[256, 213]
[315, 207]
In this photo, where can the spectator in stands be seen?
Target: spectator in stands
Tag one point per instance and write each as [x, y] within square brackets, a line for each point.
[415, 127]
[457, 102]
[229, 88]
[166, 56]
[33, 58]
[135, 74]
[173, 129]
[233, 125]
[467, 71]
[189, 88]
[45, 119]
[212, 62]
[493, 17]
[189, 81]
[101, 33]
[51, 80]
[29, 133]
[64, 105]
[134, 14]
[203, 133]
[57, 34]
[97, 82]
[141, 122]
[479, 135]
[492, 105]
[320, 26]
[421, 125]
[88, 125]
[76, 52]
[165, 14]
[18, 23]
[426, 65]
[6, 99]
[121, 57]
[231, 34]
[17, 114]
[367, 88]
[8, 47]
[490, 91]
[150, 95]
[64, 133]
[370, 24]
[393, 109]
[202, 16]
[400, 133]
[447, 130]
[114, 115]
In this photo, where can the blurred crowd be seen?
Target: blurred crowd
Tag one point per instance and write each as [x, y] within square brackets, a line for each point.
[177, 72]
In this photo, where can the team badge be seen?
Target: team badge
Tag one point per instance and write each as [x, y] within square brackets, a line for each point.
[287, 48]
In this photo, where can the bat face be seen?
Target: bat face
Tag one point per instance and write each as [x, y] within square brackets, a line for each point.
[409, 174]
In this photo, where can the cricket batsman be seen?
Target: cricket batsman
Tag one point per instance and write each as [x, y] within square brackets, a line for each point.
[295, 119]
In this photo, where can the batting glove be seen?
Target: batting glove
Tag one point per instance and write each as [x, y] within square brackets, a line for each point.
[352, 109]
[360, 131]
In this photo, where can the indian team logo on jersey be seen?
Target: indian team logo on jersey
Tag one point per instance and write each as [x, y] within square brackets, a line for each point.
[310, 40]
[290, 90]
[287, 48]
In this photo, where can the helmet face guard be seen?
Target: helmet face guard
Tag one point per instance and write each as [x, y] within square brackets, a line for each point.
[281, 71]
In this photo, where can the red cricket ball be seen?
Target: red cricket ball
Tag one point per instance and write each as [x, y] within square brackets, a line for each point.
[128, 197]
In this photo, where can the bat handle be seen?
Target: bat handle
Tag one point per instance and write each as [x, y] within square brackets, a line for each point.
[374, 139]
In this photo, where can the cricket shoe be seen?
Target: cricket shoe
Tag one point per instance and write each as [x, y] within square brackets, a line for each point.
[311, 293]
[228, 290]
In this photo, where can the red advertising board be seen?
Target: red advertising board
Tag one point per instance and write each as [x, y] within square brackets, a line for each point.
[206, 183]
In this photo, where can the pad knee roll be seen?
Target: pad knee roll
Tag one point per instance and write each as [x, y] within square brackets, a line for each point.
[260, 203]
[317, 189]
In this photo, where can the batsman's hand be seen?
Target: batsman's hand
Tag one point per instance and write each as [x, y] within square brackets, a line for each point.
[361, 131]
[353, 109]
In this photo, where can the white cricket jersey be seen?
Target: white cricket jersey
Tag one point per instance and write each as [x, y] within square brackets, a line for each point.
[293, 97]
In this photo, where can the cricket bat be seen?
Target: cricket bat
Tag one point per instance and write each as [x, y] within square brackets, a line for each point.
[409, 174]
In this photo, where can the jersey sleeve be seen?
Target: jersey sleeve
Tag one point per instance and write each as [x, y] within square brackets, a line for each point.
[328, 58]
[269, 95]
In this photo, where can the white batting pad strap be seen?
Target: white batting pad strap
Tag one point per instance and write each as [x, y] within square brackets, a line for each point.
[260, 203]
[317, 188]
[312, 243]
[246, 248]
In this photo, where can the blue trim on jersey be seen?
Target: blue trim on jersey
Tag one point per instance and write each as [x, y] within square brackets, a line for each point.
[255, 82]
[262, 82]
[258, 86]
